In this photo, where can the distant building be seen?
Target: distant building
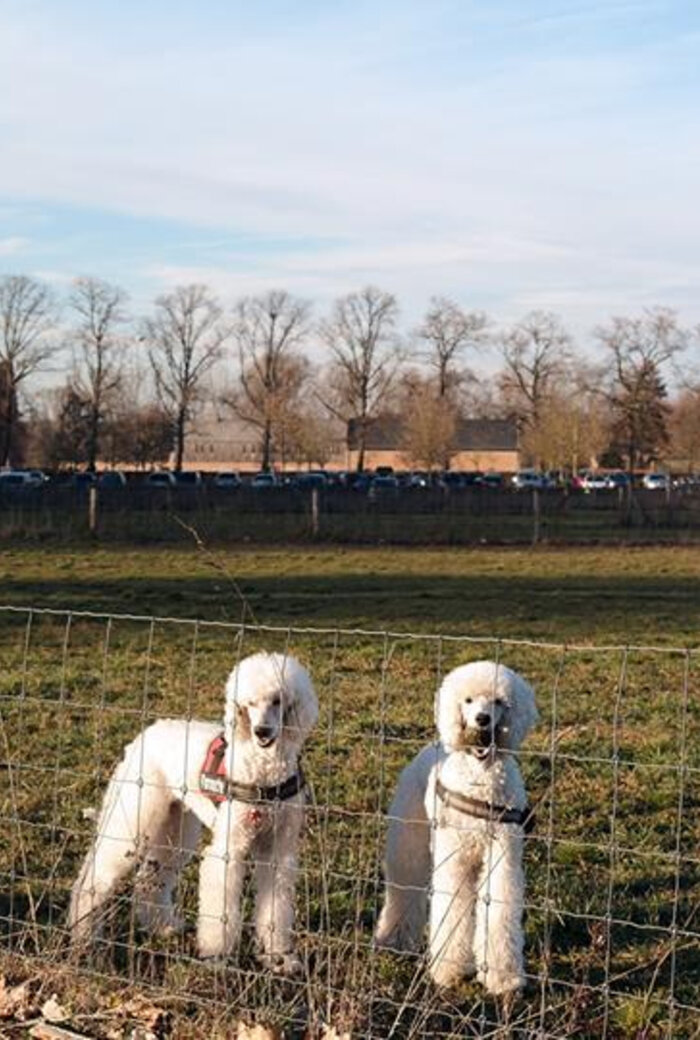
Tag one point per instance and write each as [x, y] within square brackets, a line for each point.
[481, 444]
[218, 440]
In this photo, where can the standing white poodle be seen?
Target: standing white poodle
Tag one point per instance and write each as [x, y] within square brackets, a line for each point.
[456, 834]
[245, 784]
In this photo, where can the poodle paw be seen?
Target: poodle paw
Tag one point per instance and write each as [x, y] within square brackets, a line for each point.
[161, 920]
[398, 941]
[446, 974]
[286, 964]
[501, 983]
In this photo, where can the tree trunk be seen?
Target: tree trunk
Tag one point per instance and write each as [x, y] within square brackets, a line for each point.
[265, 463]
[180, 440]
[361, 448]
[93, 437]
[9, 422]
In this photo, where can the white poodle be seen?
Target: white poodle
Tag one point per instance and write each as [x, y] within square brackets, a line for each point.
[245, 785]
[456, 834]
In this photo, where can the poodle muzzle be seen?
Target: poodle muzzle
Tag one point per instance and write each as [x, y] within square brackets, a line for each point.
[482, 741]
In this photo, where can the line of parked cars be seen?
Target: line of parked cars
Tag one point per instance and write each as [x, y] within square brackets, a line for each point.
[382, 481]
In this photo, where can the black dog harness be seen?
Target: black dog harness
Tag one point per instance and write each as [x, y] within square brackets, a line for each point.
[525, 818]
[215, 785]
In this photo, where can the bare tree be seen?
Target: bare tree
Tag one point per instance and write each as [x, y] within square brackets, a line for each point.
[185, 338]
[429, 429]
[27, 316]
[99, 307]
[573, 430]
[638, 350]
[141, 435]
[684, 428]
[537, 355]
[268, 330]
[366, 355]
[448, 331]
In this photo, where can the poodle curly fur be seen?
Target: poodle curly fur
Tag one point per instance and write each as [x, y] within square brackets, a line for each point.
[468, 869]
[153, 813]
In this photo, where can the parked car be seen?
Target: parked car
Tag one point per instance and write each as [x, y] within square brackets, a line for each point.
[160, 479]
[226, 480]
[358, 481]
[264, 481]
[188, 478]
[15, 480]
[449, 480]
[383, 485]
[112, 480]
[618, 479]
[83, 480]
[417, 480]
[37, 477]
[313, 479]
[594, 482]
[656, 481]
[530, 480]
[492, 480]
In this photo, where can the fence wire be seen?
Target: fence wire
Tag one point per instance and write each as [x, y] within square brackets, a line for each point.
[612, 936]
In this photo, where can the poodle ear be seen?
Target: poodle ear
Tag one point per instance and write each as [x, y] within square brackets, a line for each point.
[234, 712]
[448, 717]
[301, 712]
[522, 714]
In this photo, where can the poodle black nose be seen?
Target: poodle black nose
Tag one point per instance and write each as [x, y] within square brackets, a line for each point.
[264, 732]
[483, 719]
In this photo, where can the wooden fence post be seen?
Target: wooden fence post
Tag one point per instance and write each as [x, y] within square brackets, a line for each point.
[314, 512]
[535, 516]
[92, 509]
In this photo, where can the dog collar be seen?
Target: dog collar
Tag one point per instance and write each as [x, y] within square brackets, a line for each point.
[215, 785]
[485, 810]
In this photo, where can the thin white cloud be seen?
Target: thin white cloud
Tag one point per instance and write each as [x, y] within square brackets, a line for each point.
[515, 175]
[12, 245]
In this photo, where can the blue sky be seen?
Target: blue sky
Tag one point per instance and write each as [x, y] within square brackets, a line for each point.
[512, 154]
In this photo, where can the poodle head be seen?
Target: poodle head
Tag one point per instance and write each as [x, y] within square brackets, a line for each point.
[270, 698]
[484, 704]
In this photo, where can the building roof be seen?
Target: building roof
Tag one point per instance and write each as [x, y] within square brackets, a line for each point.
[384, 434]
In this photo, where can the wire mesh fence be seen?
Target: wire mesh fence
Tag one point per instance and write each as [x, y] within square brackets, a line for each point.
[466, 515]
[612, 936]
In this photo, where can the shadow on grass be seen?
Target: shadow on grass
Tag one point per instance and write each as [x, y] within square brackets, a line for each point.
[598, 606]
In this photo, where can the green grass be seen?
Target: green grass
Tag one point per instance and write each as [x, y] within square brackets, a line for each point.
[73, 690]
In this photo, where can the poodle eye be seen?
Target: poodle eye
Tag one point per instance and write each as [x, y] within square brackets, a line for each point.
[499, 702]
[276, 702]
[467, 700]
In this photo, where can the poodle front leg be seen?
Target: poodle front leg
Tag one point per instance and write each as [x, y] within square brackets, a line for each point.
[451, 912]
[498, 939]
[276, 870]
[221, 877]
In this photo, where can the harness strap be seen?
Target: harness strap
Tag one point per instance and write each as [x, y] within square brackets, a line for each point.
[525, 818]
[214, 783]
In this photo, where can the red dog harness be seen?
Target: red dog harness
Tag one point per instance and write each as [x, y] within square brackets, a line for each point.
[215, 785]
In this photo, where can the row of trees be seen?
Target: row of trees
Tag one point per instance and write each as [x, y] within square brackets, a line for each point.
[132, 388]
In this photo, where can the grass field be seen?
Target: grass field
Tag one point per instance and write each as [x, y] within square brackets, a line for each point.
[606, 636]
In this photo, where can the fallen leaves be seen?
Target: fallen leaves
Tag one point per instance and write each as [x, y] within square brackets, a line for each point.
[255, 1032]
[52, 1011]
[16, 1001]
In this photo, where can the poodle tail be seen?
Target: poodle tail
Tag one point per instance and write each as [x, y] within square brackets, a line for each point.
[406, 868]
